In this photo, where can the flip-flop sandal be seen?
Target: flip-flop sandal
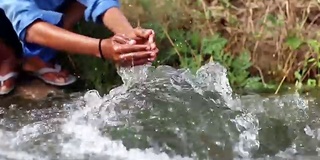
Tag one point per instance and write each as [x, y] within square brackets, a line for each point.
[5, 78]
[57, 68]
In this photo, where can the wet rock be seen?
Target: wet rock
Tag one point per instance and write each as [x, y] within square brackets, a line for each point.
[36, 90]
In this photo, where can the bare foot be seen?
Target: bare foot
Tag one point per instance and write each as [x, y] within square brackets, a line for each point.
[8, 65]
[35, 64]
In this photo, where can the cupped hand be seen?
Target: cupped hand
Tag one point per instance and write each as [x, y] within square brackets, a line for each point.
[125, 52]
[147, 37]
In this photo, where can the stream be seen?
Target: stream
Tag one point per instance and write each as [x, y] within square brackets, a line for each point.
[162, 114]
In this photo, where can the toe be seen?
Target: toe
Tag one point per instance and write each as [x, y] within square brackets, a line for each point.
[7, 85]
[54, 77]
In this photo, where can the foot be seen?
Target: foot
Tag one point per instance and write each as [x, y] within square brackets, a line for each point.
[8, 75]
[49, 73]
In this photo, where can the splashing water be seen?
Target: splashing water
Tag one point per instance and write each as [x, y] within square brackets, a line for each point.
[163, 114]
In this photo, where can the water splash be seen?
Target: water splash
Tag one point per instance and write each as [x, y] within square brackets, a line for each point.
[163, 113]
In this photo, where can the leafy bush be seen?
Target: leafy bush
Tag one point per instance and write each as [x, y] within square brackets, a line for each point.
[264, 44]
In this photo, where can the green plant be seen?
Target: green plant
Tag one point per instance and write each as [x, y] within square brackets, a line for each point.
[238, 66]
[311, 61]
[193, 51]
[262, 37]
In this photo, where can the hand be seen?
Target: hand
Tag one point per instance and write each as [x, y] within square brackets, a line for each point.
[147, 37]
[123, 51]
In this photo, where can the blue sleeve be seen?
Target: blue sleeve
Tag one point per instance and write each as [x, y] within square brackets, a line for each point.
[24, 13]
[95, 8]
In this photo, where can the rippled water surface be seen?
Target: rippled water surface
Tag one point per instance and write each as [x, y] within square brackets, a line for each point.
[162, 114]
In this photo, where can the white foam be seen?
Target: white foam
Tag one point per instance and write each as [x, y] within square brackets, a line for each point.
[87, 139]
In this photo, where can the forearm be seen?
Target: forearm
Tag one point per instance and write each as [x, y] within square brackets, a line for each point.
[48, 35]
[117, 22]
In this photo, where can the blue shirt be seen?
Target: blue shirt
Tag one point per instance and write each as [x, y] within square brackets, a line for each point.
[22, 13]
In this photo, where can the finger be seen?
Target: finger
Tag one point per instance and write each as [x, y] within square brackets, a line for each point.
[139, 40]
[135, 56]
[145, 33]
[132, 42]
[152, 59]
[132, 48]
[152, 37]
[123, 39]
[154, 53]
[135, 63]
[153, 46]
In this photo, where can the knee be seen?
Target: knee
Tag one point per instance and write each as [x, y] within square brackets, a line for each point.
[6, 52]
[72, 15]
[68, 25]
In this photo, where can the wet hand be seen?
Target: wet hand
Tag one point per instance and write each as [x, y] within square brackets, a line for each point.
[126, 52]
[147, 37]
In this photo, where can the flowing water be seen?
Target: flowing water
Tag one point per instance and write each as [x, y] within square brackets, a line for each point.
[162, 114]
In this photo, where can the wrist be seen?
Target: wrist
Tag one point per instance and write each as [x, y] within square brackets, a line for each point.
[103, 48]
[117, 22]
[131, 34]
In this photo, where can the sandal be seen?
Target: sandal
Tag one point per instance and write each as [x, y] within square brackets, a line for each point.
[57, 68]
[5, 78]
